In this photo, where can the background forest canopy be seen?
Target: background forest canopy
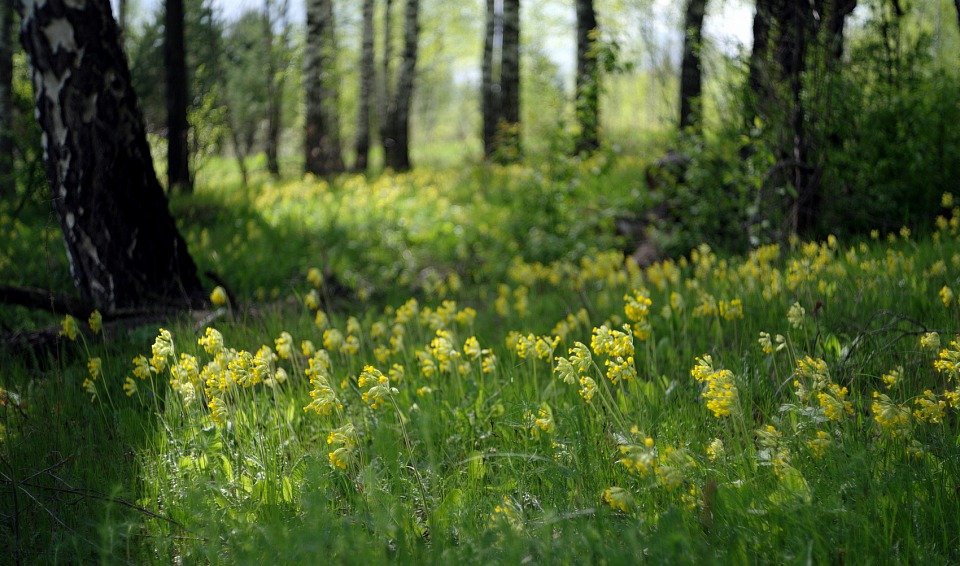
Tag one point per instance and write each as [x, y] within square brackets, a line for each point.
[885, 100]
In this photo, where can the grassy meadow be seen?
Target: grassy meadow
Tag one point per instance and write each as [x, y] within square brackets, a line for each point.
[460, 364]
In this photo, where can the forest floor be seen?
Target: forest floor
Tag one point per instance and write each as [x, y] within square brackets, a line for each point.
[464, 365]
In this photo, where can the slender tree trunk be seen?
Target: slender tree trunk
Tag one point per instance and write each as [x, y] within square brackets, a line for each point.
[510, 79]
[275, 80]
[837, 15]
[490, 88]
[178, 151]
[398, 152]
[690, 70]
[366, 89]
[7, 143]
[322, 95]
[588, 79]
[386, 79]
[123, 246]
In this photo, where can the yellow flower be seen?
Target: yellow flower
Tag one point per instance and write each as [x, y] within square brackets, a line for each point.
[129, 387]
[284, 345]
[930, 342]
[889, 416]
[218, 296]
[341, 457]
[640, 459]
[618, 499]
[315, 277]
[69, 327]
[218, 411]
[715, 449]
[471, 348]
[946, 201]
[141, 367]
[90, 387]
[95, 321]
[312, 299]
[95, 367]
[893, 377]
[946, 295]
[308, 348]
[321, 320]
[732, 310]
[795, 315]
[162, 349]
[588, 388]
[489, 363]
[565, 371]
[212, 341]
[819, 445]
[931, 408]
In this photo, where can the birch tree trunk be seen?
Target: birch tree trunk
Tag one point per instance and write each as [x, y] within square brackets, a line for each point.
[588, 80]
[174, 58]
[7, 143]
[322, 95]
[397, 145]
[123, 246]
[367, 77]
[690, 70]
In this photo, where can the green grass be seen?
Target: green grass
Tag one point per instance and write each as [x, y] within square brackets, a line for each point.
[511, 464]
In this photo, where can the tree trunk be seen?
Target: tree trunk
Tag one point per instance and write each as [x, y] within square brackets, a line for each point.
[397, 152]
[274, 87]
[322, 95]
[588, 80]
[123, 246]
[366, 90]
[7, 143]
[178, 151]
[690, 71]
[386, 79]
[758, 74]
[510, 80]
[489, 88]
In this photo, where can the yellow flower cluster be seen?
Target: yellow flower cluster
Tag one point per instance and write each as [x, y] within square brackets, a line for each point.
[721, 390]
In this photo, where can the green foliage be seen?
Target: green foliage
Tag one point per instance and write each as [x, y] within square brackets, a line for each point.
[893, 109]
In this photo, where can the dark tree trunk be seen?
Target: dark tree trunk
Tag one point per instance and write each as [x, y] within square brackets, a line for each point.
[385, 93]
[490, 88]
[836, 21]
[690, 70]
[367, 77]
[7, 143]
[510, 80]
[178, 151]
[322, 95]
[275, 81]
[758, 77]
[588, 80]
[397, 144]
[123, 245]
